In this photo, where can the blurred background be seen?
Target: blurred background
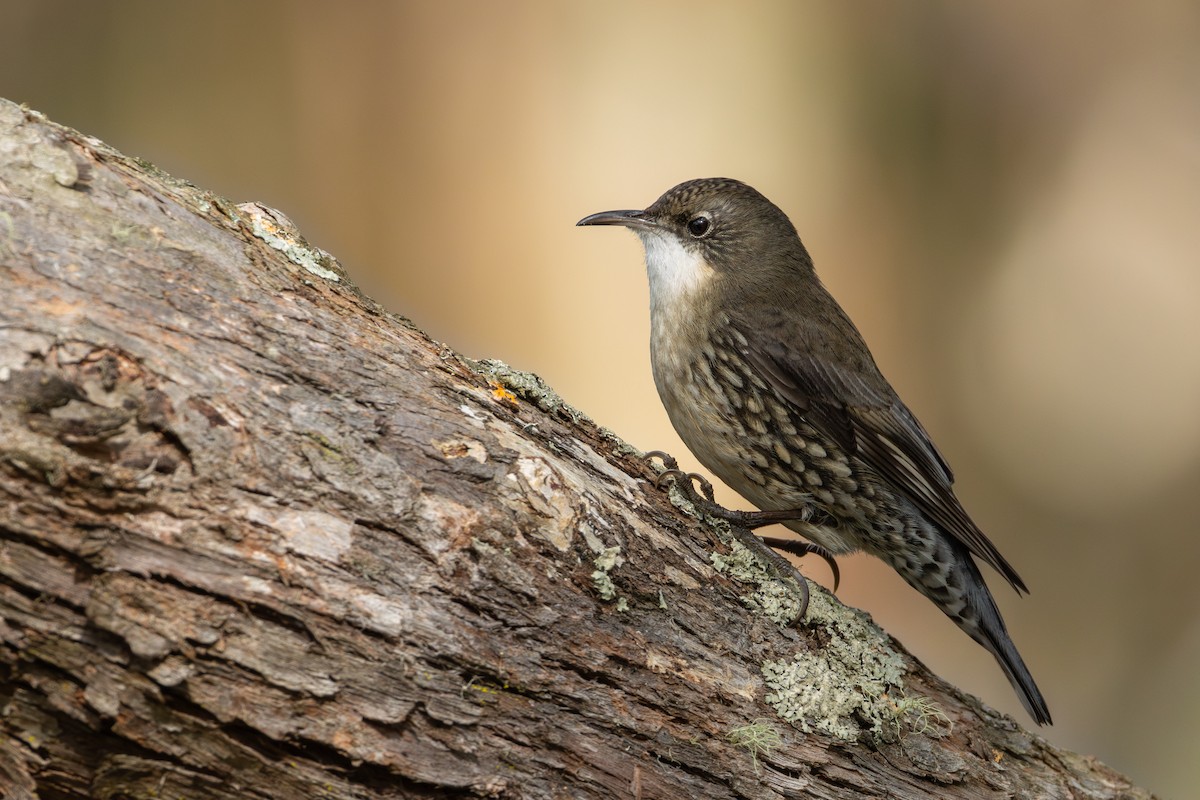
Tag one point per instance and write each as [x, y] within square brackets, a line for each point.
[1005, 197]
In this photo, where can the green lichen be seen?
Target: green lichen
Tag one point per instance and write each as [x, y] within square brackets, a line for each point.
[323, 442]
[532, 389]
[842, 687]
[847, 685]
[609, 559]
[919, 715]
[280, 234]
[777, 600]
[528, 387]
[759, 736]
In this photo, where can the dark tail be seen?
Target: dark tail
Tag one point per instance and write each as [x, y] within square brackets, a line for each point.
[982, 621]
[952, 581]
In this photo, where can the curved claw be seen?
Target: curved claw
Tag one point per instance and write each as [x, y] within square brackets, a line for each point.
[804, 595]
[668, 460]
[669, 474]
[706, 488]
[833, 567]
[674, 473]
[817, 550]
[801, 549]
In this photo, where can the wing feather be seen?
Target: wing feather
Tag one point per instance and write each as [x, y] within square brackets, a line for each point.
[859, 410]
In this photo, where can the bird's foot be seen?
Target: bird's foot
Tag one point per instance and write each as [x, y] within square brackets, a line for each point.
[780, 565]
[703, 499]
[747, 521]
[800, 549]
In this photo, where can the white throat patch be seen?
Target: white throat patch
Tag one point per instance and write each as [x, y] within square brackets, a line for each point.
[675, 271]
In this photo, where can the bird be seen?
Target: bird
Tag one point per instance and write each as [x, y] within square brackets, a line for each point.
[773, 389]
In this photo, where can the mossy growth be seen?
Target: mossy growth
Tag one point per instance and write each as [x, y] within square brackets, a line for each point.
[532, 389]
[758, 737]
[609, 559]
[773, 598]
[847, 685]
[527, 386]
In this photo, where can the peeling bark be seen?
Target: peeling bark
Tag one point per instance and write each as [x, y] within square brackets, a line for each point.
[260, 538]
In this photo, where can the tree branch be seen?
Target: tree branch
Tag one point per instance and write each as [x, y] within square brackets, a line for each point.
[261, 538]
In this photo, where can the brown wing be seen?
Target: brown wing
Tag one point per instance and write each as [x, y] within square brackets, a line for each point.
[859, 410]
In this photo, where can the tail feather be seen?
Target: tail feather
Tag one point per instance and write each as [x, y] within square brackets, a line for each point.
[952, 581]
[993, 635]
[986, 626]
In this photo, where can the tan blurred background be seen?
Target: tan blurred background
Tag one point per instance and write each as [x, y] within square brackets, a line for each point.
[1005, 196]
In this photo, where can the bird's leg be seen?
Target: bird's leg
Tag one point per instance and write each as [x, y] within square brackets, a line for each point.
[800, 549]
[746, 520]
[702, 500]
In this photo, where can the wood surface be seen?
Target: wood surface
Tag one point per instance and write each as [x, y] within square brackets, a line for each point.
[261, 538]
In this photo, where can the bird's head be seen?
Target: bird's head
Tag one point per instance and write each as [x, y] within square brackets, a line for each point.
[713, 230]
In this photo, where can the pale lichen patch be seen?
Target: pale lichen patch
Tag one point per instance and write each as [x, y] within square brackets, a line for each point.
[279, 233]
[609, 559]
[528, 386]
[771, 597]
[841, 687]
[758, 737]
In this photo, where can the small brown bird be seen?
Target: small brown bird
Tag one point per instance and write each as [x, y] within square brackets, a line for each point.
[772, 387]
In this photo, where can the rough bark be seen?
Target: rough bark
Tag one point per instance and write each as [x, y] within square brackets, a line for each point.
[260, 538]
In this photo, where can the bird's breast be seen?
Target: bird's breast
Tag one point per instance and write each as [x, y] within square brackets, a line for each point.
[724, 413]
[748, 436]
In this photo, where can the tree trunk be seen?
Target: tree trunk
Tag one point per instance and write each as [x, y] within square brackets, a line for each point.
[261, 538]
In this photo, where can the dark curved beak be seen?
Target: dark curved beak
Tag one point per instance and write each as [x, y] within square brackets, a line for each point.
[630, 219]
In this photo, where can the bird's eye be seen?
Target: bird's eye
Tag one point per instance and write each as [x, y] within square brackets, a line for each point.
[699, 226]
